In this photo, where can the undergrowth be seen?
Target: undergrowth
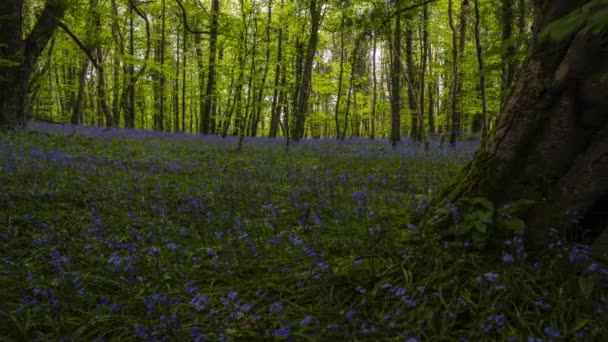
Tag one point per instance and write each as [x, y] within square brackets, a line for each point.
[129, 235]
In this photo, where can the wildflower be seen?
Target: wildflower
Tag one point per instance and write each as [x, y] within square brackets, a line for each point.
[367, 328]
[543, 305]
[360, 289]
[115, 308]
[141, 332]
[350, 314]
[507, 257]
[552, 332]
[197, 335]
[172, 246]
[359, 261]
[183, 231]
[276, 308]
[199, 302]
[191, 288]
[490, 277]
[233, 295]
[306, 320]
[282, 332]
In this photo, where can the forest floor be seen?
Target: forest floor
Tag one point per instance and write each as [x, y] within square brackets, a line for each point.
[134, 235]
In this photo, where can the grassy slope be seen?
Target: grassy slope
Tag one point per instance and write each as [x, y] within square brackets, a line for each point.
[122, 235]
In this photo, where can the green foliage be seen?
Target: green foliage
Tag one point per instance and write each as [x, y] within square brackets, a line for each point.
[479, 221]
[592, 16]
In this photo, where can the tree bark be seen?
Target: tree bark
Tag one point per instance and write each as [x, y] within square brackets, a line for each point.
[395, 82]
[550, 144]
[301, 108]
[482, 76]
[19, 55]
[207, 111]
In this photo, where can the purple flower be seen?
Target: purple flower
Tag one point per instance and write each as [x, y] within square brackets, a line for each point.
[197, 335]
[183, 231]
[282, 332]
[191, 288]
[172, 246]
[306, 320]
[276, 308]
[359, 261]
[350, 314]
[490, 277]
[552, 332]
[141, 332]
[543, 305]
[199, 302]
[233, 295]
[115, 308]
[507, 257]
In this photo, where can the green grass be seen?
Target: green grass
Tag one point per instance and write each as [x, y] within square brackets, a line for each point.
[123, 234]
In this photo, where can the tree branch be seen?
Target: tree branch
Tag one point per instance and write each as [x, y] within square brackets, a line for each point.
[405, 9]
[80, 44]
[184, 16]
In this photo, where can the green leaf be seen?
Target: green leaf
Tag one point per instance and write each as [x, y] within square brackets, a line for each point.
[484, 202]
[586, 286]
[480, 227]
[515, 224]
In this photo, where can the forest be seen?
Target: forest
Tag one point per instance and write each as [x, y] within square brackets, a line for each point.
[303, 170]
[293, 69]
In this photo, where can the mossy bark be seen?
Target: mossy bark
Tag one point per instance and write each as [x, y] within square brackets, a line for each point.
[550, 143]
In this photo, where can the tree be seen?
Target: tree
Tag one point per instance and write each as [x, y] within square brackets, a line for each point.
[396, 81]
[18, 55]
[550, 144]
[303, 86]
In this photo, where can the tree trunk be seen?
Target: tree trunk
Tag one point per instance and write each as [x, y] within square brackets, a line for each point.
[207, 117]
[18, 55]
[482, 76]
[276, 104]
[508, 68]
[78, 104]
[550, 144]
[301, 108]
[395, 82]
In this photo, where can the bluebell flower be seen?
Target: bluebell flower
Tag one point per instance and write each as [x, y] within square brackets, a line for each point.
[358, 261]
[191, 288]
[141, 332]
[276, 308]
[552, 332]
[306, 320]
[507, 257]
[282, 332]
[350, 314]
[115, 308]
[543, 305]
[197, 335]
[199, 302]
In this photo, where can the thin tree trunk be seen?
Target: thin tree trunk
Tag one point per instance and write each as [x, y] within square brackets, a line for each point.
[207, 117]
[395, 82]
[275, 111]
[372, 134]
[482, 76]
[301, 109]
[340, 78]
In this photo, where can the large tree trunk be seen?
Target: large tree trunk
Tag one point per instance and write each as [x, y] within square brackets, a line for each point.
[18, 56]
[550, 143]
